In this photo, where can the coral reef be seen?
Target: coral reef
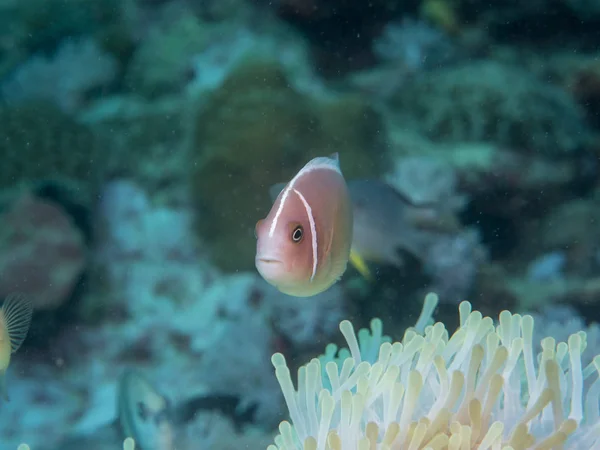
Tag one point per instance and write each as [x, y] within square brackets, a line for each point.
[427, 180]
[413, 45]
[77, 68]
[140, 140]
[47, 22]
[41, 143]
[256, 386]
[569, 228]
[154, 306]
[488, 101]
[146, 139]
[163, 61]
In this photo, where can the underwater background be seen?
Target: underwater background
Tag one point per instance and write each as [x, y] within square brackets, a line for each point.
[139, 142]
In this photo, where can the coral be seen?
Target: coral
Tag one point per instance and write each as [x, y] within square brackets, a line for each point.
[572, 228]
[163, 60]
[305, 323]
[183, 52]
[47, 22]
[488, 101]
[220, 365]
[549, 266]
[155, 129]
[36, 392]
[41, 143]
[453, 262]
[479, 388]
[78, 67]
[222, 10]
[215, 432]
[231, 45]
[137, 229]
[12, 34]
[42, 253]
[277, 130]
[575, 290]
[413, 45]
[427, 180]
[163, 329]
[152, 263]
[482, 167]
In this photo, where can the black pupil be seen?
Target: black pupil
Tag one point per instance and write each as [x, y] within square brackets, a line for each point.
[142, 411]
[297, 235]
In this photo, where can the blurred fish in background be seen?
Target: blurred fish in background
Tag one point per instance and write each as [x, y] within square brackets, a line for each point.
[387, 223]
[140, 144]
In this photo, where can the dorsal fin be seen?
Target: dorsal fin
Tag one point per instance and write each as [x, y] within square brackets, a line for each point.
[17, 310]
[329, 162]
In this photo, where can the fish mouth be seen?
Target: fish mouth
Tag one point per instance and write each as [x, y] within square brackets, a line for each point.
[268, 260]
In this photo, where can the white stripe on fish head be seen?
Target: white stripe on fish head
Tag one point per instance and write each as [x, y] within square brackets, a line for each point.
[314, 164]
[313, 233]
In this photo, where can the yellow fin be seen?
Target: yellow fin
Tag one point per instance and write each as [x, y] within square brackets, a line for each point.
[360, 264]
[17, 310]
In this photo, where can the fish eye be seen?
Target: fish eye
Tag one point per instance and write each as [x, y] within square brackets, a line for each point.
[297, 234]
[142, 411]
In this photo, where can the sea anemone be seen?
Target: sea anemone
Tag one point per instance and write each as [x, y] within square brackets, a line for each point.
[480, 388]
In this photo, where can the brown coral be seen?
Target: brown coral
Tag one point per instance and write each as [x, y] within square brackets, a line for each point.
[42, 253]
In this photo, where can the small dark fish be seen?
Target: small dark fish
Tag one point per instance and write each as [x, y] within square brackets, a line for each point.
[147, 417]
[143, 413]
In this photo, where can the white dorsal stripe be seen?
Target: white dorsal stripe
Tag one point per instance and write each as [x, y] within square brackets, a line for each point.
[313, 233]
[314, 164]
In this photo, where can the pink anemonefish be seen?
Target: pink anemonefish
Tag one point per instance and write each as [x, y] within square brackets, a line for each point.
[303, 245]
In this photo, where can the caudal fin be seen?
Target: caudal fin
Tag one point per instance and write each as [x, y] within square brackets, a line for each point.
[16, 311]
